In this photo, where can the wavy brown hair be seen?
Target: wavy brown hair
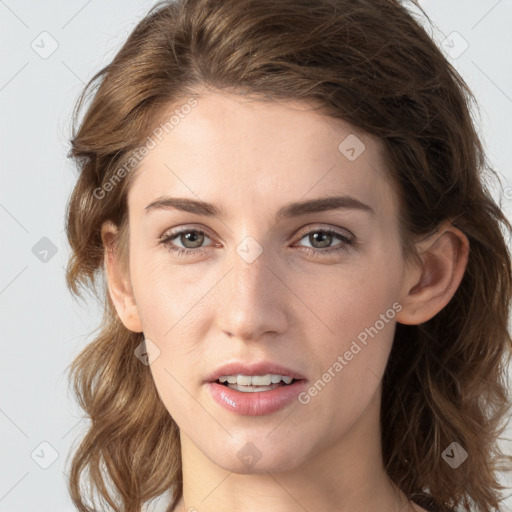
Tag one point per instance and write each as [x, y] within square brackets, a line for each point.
[372, 64]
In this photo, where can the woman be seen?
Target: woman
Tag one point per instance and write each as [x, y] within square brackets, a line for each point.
[306, 282]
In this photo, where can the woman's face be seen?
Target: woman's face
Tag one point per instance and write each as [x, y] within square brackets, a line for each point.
[259, 287]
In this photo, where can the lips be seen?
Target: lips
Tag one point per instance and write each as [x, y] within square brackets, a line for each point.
[259, 368]
[256, 404]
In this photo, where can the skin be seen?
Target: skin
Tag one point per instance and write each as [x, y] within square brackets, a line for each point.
[204, 310]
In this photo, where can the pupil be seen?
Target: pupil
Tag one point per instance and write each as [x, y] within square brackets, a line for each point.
[320, 235]
[193, 234]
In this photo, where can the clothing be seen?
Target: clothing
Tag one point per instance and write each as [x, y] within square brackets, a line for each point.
[425, 501]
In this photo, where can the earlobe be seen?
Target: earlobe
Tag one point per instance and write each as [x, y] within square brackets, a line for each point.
[118, 278]
[429, 287]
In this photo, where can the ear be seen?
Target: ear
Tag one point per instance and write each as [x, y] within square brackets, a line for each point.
[118, 277]
[428, 287]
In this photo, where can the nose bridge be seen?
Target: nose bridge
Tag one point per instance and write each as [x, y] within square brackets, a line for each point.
[249, 269]
[250, 302]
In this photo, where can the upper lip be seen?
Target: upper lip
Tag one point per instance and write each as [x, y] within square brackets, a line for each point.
[246, 368]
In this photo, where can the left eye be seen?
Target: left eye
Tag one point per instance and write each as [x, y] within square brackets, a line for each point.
[194, 238]
[326, 237]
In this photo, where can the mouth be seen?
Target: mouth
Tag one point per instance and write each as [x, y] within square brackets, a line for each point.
[253, 399]
[262, 373]
[254, 388]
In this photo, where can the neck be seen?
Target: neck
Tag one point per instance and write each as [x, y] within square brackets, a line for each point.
[345, 476]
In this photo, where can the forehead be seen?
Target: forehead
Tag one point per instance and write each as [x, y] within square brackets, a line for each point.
[240, 151]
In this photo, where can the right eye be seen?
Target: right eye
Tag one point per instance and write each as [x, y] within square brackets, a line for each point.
[194, 237]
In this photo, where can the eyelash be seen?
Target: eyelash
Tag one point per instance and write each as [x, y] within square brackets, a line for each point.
[342, 247]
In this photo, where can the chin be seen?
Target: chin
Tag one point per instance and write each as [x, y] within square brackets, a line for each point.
[260, 456]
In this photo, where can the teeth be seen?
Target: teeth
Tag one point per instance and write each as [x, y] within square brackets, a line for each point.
[255, 380]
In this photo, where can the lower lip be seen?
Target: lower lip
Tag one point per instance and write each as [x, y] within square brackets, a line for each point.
[257, 403]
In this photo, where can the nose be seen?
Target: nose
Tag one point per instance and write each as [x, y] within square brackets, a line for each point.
[252, 299]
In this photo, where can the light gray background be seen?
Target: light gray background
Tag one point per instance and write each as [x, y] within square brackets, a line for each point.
[43, 328]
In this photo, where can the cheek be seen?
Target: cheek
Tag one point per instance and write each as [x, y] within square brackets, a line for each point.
[354, 297]
[165, 292]
[351, 358]
[173, 316]
[169, 308]
[359, 307]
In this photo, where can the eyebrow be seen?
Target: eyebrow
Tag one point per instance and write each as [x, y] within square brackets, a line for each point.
[295, 209]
